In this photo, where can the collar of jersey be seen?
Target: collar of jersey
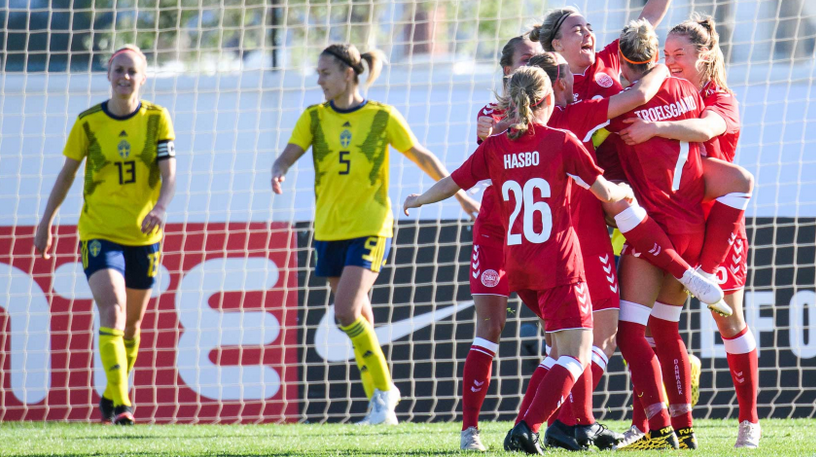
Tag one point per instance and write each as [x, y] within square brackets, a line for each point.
[350, 110]
[120, 118]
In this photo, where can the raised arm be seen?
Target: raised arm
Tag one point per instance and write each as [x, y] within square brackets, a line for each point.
[156, 217]
[643, 91]
[698, 130]
[444, 188]
[654, 11]
[288, 157]
[42, 239]
[433, 167]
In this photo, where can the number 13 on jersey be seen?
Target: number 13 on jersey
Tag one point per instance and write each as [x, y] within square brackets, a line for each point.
[525, 200]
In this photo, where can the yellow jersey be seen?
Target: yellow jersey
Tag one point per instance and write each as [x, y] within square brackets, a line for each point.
[122, 177]
[350, 155]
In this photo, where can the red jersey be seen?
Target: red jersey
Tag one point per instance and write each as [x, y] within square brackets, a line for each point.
[666, 175]
[533, 176]
[601, 78]
[722, 102]
[583, 119]
[488, 221]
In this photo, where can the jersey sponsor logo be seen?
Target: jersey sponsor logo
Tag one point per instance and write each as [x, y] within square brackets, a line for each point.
[604, 80]
[490, 278]
[345, 138]
[521, 160]
[124, 149]
[95, 247]
[668, 111]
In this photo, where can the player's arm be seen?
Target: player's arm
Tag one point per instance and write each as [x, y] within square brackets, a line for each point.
[610, 192]
[654, 11]
[291, 153]
[42, 239]
[643, 91]
[155, 218]
[444, 188]
[433, 167]
[697, 130]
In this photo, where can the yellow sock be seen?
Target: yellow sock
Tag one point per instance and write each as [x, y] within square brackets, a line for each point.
[132, 350]
[114, 360]
[365, 340]
[365, 376]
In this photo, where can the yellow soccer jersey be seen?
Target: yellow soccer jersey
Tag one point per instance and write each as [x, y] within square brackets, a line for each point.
[350, 155]
[122, 177]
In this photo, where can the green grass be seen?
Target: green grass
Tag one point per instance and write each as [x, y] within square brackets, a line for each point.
[780, 437]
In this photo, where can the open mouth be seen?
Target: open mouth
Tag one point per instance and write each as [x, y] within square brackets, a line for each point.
[587, 48]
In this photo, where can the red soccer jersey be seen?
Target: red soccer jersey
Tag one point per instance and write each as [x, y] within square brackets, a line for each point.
[488, 222]
[601, 78]
[533, 177]
[722, 102]
[666, 175]
[583, 119]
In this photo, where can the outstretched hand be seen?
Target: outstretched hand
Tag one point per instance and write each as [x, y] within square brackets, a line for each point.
[412, 201]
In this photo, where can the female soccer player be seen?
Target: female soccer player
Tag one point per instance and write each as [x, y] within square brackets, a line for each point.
[349, 137]
[692, 52]
[130, 178]
[488, 280]
[534, 166]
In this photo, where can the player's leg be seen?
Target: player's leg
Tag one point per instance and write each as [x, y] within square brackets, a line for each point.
[141, 267]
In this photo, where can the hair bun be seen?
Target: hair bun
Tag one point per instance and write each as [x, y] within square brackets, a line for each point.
[535, 34]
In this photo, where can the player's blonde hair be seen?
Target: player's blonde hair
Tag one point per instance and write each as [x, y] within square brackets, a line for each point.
[128, 48]
[527, 89]
[347, 55]
[702, 33]
[639, 45]
[550, 27]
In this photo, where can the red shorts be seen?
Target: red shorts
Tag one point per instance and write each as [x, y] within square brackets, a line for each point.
[688, 245]
[732, 274]
[562, 308]
[487, 275]
[602, 279]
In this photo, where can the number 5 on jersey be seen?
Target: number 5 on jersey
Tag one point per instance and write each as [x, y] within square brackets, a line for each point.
[525, 199]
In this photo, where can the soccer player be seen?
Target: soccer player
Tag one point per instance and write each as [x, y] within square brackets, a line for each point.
[488, 279]
[692, 52]
[535, 167]
[349, 137]
[130, 178]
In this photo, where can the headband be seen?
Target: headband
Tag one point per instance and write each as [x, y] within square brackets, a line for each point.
[124, 50]
[558, 25]
[538, 102]
[633, 62]
[357, 68]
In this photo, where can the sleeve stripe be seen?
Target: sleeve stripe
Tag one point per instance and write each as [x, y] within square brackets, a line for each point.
[579, 181]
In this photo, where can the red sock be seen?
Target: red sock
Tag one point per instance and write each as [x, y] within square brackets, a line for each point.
[476, 380]
[580, 412]
[639, 415]
[552, 391]
[742, 360]
[645, 236]
[645, 370]
[722, 227]
[674, 363]
[535, 380]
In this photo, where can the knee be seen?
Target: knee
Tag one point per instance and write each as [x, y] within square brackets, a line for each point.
[345, 317]
[490, 328]
[730, 329]
[609, 345]
[132, 329]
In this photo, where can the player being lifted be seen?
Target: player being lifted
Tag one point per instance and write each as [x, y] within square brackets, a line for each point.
[349, 136]
[130, 178]
[692, 52]
[535, 166]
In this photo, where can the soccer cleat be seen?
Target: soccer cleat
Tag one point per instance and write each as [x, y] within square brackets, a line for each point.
[630, 436]
[748, 435]
[654, 440]
[469, 440]
[686, 439]
[704, 288]
[597, 434]
[522, 438]
[507, 446]
[381, 407]
[106, 410]
[123, 415]
[696, 369]
[720, 306]
[561, 435]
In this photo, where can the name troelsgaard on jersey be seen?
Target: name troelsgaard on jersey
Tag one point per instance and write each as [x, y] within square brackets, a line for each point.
[520, 160]
[668, 111]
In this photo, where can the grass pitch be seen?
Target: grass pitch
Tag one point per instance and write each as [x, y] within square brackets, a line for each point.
[780, 438]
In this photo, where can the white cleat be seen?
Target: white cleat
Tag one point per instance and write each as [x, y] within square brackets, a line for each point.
[629, 437]
[721, 307]
[705, 289]
[748, 435]
[381, 407]
[471, 441]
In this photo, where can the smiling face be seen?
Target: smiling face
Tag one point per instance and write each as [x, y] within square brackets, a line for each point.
[576, 42]
[333, 77]
[683, 59]
[524, 49]
[126, 74]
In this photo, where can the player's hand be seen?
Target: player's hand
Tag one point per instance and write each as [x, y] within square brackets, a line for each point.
[43, 240]
[628, 193]
[469, 205]
[638, 131]
[278, 177]
[484, 126]
[153, 220]
[412, 201]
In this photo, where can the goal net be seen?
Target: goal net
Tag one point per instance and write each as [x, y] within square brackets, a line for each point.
[240, 329]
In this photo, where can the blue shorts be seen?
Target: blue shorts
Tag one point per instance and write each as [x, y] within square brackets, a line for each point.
[138, 264]
[369, 252]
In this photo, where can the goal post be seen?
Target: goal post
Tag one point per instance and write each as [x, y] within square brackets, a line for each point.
[240, 329]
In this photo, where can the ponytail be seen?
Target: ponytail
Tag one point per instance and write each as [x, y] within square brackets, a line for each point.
[347, 55]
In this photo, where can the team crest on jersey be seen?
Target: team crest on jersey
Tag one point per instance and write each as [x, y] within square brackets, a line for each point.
[124, 149]
[345, 138]
[95, 247]
[490, 278]
[604, 80]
